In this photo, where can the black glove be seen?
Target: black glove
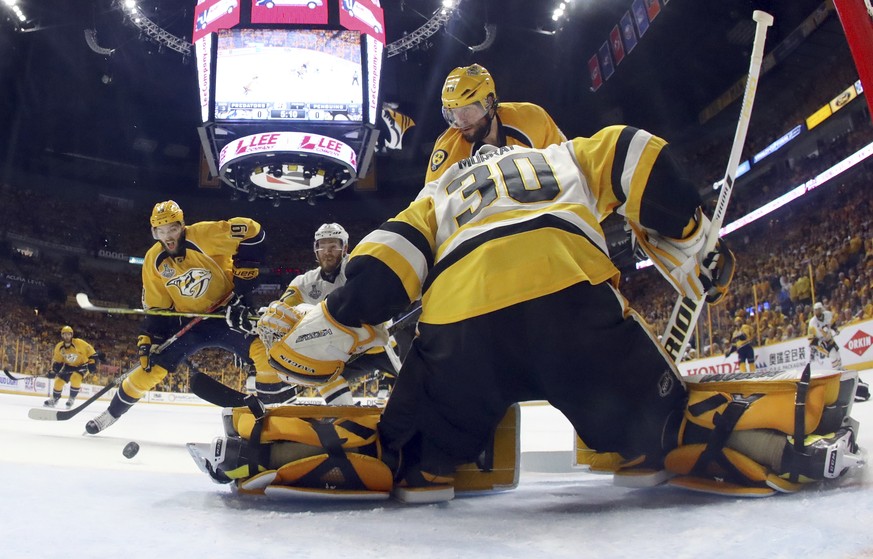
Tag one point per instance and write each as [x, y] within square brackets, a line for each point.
[240, 316]
[144, 348]
[51, 374]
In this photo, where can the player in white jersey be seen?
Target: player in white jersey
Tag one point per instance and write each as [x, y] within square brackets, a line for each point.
[331, 247]
[821, 332]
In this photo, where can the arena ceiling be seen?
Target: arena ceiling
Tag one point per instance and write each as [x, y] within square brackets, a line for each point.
[66, 106]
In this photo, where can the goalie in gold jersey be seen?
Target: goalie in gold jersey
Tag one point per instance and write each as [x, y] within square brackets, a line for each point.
[72, 359]
[520, 302]
[476, 118]
[200, 268]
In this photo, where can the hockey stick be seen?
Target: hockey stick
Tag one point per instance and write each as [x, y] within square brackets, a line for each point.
[85, 303]
[50, 414]
[224, 396]
[686, 310]
[8, 374]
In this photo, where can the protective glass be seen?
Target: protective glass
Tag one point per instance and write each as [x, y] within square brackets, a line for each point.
[462, 117]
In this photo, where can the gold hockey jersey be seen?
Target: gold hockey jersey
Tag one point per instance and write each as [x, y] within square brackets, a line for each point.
[516, 224]
[77, 354]
[520, 124]
[203, 274]
[742, 336]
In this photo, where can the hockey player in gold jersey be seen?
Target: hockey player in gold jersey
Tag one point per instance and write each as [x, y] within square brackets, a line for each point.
[72, 359]
[741, 343]
[200, 268]
[520, 302]
[476, 118]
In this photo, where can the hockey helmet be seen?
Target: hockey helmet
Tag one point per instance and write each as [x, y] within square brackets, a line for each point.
[331, 231]
[465, 95]
[67, 330]
[818, 307]
[165, 213]
[467, 84]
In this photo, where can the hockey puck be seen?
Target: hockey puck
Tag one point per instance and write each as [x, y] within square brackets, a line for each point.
[130, 449]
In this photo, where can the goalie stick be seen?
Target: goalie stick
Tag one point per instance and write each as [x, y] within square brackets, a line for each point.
[51, 414]
[686, 310]
[224, 396]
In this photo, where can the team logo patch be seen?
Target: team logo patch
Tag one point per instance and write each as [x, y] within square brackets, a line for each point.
[437, 159]
[192, 283]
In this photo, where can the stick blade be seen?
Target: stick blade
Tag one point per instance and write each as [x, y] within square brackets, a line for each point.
[43, 414]
[762, 17]
[83, 301]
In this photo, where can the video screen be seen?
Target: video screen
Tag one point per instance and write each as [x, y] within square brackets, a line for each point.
[288, 75]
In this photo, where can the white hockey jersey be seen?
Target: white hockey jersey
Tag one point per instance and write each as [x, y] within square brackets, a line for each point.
[312, 288]
[821, 329]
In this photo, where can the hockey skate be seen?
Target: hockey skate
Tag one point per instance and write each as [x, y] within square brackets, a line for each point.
[51, 402]
[70, 403]
[100, 423]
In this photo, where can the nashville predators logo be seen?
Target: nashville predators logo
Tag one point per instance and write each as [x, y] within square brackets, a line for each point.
[192, 283]
[437, 159]
[70, 357]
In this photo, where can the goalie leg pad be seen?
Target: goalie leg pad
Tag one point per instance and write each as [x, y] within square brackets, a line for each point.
[724, 411]
[321, 451]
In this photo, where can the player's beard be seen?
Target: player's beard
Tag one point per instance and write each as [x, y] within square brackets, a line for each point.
[178, 245]
[329, 270]
[478, 131]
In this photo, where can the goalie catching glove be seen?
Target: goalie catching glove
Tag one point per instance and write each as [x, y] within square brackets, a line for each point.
[684, 264]
[316, 346]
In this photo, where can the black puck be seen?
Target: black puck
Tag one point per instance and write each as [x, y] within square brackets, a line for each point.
[130, 449]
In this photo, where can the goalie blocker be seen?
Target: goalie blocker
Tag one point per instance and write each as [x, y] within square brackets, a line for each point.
[333, 452]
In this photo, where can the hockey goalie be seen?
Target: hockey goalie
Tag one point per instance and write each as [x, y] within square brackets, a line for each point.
[520, 302]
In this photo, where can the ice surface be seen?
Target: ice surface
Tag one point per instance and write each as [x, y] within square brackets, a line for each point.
[68, 495]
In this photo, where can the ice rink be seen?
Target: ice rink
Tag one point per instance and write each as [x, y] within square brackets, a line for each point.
[68, 495]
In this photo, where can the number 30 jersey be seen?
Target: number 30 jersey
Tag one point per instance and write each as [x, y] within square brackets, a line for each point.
[513, 225]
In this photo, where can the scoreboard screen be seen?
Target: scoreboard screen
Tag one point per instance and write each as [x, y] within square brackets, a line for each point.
[303, 75]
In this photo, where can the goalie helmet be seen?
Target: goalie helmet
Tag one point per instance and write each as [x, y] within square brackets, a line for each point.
[165, 213]
[331, 231]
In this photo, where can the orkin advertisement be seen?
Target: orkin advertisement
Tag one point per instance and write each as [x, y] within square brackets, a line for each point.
[855, 342]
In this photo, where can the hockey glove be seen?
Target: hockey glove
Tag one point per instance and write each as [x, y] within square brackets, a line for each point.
[239, 316]
[683, 262]
[277, 320]
[317, 347]
[144, 348]
[56, 368]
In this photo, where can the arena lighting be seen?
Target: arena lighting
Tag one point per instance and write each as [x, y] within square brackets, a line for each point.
[13, 6]
[789, 196]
